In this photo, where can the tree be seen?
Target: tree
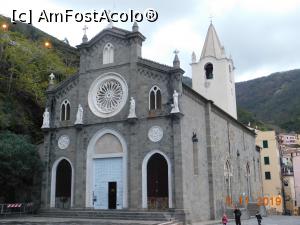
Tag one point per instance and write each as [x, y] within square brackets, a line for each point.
[20, 166]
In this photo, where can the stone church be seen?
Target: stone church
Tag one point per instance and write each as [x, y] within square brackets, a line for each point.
[126, 133]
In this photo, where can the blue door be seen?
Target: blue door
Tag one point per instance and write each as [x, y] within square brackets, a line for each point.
[106, 172]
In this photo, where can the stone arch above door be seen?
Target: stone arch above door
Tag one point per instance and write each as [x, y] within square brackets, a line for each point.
[108, 143]
[53, 181]
[144, 178]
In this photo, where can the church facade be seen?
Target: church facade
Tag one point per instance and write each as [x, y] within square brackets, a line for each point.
[126, 133]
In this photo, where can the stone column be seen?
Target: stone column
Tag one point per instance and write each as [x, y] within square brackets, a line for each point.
[46, 177]
[177, 183]
[209, 160]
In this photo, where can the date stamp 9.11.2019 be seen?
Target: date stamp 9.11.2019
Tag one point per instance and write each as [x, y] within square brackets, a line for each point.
[260, 201]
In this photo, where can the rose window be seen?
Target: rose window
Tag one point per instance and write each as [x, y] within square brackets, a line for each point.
[107, 95]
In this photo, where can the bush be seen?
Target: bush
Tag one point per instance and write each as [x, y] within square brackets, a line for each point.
[20, 168]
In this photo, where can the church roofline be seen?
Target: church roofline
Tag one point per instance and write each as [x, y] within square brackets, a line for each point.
[159, 66]
[114, 31]
[205, 100]
[62, 84]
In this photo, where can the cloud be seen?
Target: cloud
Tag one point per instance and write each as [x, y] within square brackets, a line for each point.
[180, 35]
[262, 36]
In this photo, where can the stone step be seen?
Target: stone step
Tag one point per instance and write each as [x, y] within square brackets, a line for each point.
[174, 222]
[36, 220]
[112, 214]
[252, 208]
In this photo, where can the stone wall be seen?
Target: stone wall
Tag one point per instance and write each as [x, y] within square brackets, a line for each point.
[220, 138]
[195, 186]
[235, 143]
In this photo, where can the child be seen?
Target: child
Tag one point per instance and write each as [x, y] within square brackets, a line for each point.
[258, 217]
[224, 219]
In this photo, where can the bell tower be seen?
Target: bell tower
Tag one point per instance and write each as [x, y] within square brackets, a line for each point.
[213, 74]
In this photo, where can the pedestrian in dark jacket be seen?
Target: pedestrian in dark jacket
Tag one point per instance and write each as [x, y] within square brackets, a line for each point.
[237, 215]
[259, 218]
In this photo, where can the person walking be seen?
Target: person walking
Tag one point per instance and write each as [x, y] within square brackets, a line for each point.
[237, 215]
[258, 217]
[224, 219]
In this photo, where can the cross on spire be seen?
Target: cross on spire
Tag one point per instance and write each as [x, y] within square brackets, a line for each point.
[176, 52]
[110, 22]
[84, 29]
[211, 17]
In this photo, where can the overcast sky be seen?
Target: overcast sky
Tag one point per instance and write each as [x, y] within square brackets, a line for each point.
[263, 36]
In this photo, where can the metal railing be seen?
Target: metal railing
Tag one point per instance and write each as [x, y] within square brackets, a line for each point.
[16, 208]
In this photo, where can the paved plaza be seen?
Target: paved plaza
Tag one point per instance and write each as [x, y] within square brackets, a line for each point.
[272, 220]
[69, 221]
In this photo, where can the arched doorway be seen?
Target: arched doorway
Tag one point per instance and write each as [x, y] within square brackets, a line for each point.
[145, 179]
[157, 182]
[106, 171]
[62, 184]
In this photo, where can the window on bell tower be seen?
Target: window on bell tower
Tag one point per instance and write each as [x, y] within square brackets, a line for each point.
[209, 68]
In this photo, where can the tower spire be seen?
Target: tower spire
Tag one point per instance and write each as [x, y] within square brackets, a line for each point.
[212, 45]
[213, 74]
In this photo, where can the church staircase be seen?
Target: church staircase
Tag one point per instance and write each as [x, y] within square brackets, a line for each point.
[253, 207]
[168, 217]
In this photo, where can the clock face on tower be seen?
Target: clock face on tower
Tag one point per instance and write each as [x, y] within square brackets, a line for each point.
[107, 95]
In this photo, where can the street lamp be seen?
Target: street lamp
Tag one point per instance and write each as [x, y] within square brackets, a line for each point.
[47, 44]
[4, 26]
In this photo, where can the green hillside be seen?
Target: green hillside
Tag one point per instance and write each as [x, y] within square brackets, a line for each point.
[274, 99]
[244, 116]
[25, 64]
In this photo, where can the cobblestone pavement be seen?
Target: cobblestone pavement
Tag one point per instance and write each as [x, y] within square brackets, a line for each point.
[68, 221]
[272, 220]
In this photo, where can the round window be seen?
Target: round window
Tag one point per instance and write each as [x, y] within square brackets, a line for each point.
[108, 95]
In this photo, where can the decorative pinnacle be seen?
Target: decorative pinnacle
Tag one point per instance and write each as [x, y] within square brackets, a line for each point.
[135, 27]
[194, 58]
[84, 38]
[176, 62]
[52, 76]
[52, 79]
